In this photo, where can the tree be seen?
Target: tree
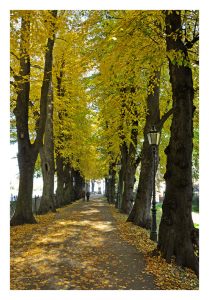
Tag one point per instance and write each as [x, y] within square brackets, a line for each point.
[176, 226]
[47, 161]
[27, 151]
[60, 180]
[79, 186]
[140, 214]
[74, 116]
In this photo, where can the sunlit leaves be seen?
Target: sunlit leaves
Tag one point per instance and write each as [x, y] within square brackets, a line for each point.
[66, 253]
[105, 61]
[62, 252]
[74, 124]
[128, 49]
[31, 46]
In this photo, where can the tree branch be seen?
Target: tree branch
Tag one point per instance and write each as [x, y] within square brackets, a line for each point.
[16, 77]
[163, 119]
[46, 83]
[12, 53]
[138, 160]
[37, 67]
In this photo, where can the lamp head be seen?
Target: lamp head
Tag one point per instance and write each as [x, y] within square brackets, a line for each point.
[153, 136]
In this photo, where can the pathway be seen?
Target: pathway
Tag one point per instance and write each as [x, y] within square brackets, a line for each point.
[80, 249]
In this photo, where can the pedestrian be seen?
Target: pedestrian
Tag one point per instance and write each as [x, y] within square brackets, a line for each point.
[87, 195]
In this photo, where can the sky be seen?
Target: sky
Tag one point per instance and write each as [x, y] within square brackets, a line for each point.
[8, 170]
[14, 174]
[13, 160]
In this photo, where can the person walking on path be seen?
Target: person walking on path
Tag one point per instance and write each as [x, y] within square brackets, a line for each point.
[87, 195]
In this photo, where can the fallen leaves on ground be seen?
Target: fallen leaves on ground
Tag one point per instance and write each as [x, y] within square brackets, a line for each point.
[168, 276]
[78, 247]
[67, 250]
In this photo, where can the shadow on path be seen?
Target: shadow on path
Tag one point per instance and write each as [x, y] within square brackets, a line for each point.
[80, 249]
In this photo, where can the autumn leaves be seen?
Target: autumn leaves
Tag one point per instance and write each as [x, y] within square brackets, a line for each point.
[90, 250]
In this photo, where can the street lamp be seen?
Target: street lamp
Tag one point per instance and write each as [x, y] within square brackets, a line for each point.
[154, 139]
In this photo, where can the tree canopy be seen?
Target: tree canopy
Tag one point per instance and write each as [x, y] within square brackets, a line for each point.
[103, 64]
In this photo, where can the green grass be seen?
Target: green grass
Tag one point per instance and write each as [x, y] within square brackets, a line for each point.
[195, 208]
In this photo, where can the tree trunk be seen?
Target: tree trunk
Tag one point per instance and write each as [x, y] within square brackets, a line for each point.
[68, 189]
[129, 180]
[140, 214]
[23, 212]
[176, 227]
[79, 186]
[131, 165]
[120, 186]
[60, 181]
[47, 162]
[124, 153]
[106, 187]
[111, 180]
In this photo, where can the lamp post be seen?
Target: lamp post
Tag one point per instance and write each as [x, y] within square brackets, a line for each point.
[154, 139]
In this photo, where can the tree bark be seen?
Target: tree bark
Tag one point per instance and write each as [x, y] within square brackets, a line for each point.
[129, 180]
[124, 155]
[140, 214]
[176, 226]
[79, 185]
[23, 212]
[68, 188]
[106, 187]
[60, 180]
[129, 176]
[122, 170]
[47, 162]
[111, 184]
[122, 174]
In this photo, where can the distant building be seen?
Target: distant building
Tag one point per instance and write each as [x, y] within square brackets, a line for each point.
[97, 186]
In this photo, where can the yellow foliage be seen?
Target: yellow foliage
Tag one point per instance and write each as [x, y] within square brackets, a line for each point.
[103, 62]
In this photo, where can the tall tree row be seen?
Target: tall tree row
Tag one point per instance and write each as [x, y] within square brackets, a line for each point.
[119, 34]
[27, 151]
[91, 86]
[50, 107]
[129, 79]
